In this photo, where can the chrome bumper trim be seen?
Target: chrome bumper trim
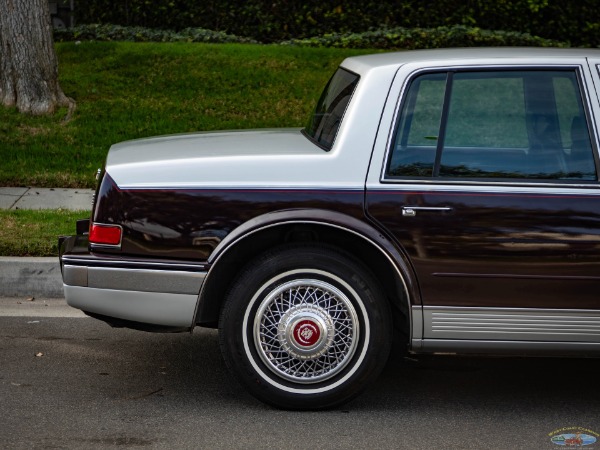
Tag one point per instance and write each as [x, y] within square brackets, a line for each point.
[130, 264]
[159, 308]
[141, 280]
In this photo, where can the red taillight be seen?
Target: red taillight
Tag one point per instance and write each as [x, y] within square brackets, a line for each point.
[105, 234]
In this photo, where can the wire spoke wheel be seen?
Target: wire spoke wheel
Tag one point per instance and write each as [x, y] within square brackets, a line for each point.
[306, 330]
[305, 327]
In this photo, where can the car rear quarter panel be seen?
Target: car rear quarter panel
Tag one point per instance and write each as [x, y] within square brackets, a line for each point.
[190, 224]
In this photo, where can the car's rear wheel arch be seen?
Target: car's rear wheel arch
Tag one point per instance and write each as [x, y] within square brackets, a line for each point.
[392, 275]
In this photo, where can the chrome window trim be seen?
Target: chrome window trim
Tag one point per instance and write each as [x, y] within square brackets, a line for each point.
[586, 100]
[487, 188]
[472, 182]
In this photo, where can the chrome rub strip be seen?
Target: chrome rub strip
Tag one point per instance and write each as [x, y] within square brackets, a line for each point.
[511, 324]
[159, 281]
[162, 265]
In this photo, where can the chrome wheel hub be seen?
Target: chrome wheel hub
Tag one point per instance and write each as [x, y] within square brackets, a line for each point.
[306, 330]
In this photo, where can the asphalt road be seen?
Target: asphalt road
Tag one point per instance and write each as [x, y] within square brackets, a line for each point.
[72, 382]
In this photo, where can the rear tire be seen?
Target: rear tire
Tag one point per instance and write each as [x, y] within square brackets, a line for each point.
[305, 327]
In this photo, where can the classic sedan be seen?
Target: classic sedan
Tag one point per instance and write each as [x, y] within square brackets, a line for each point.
[440, 200]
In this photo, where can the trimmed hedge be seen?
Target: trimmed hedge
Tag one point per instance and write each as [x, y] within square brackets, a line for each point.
[389, 39]
[415, 38]
[97, 32]
[574, 21]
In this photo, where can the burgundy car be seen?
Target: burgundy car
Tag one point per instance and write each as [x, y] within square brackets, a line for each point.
[443, 200]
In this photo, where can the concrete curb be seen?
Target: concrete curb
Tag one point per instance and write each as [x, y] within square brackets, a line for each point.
[30, 277]
[37, 277]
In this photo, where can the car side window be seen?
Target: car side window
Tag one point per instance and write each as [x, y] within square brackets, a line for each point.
[418, 129]
[493, 124]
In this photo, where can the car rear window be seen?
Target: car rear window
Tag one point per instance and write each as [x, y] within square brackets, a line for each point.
[327, 116]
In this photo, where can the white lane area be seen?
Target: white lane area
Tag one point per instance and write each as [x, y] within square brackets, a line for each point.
[37, 307]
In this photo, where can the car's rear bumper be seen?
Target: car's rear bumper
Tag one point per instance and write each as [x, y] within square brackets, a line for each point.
[152, 295]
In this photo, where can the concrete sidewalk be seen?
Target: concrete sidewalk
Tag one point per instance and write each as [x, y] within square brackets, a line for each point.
[37, 277]
[45, 198]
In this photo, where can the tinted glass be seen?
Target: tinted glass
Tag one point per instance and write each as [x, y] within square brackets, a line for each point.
[419, 125]
[486, 129]
[486, 111]
[503, 124]
[327, 117]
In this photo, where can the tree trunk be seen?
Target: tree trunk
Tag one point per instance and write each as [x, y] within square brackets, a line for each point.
[28, 63]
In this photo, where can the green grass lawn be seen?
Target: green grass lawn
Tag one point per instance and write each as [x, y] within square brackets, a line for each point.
[133, 90]
[35, 233]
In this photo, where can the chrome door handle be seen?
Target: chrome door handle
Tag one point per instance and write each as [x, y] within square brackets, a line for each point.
[411, 211]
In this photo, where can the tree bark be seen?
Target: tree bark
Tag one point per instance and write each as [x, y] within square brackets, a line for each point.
[28, 63]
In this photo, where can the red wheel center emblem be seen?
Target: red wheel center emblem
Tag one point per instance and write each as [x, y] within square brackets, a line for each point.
[306, 333]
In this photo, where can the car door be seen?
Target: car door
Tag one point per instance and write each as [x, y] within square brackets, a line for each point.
[490, 187]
